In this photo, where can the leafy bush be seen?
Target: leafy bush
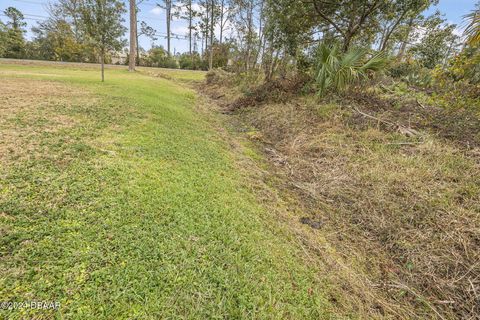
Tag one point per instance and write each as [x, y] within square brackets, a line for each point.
[421, 78]
[464, 66]
[401, 69]
[220, 55]
[458, 85]
[338, 70]
[218, 76]
[158, 57]
[191, 62]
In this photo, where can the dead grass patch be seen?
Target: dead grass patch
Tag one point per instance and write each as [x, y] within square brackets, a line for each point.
[414, 202]
[30, 109]
[398, 216]
[461, 126]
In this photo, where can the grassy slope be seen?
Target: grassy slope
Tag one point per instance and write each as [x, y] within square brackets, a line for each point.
[138, 211]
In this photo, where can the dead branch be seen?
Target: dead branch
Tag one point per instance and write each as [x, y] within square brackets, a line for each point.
[403, 130]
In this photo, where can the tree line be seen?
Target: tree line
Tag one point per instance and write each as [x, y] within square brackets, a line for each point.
[242, 35]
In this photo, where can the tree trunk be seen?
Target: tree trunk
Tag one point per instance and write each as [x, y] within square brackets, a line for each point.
[190, 18]
[221, 20]
[190, 26]
[403, 46]
[382, 39]
[250, 33]
[210, 62]
[448, 53]
[401, 51]
[137, 62]
[133, 36]
[386, 35]
[102, 61]
[346, 42]
[274, 64]
[169, 16]
[260, 34]
[207, 25]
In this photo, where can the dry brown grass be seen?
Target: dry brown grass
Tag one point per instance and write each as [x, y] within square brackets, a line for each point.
[31, 108]
[418, 204]
[399, 216]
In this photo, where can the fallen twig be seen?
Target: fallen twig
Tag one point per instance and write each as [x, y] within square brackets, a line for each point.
[403, 130]
[404, 143]
[405, 287]
[386, 89]
[421, 105]
[374, 118]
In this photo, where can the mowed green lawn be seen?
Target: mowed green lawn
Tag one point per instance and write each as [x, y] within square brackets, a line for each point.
[121, 201]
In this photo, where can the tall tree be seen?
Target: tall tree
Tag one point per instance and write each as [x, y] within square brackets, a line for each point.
[133, 36]
[14, 36]
[348, 17]
[188, 13]
[261, 30]
[212, 34]
[438, 41]
[70, 12]
[3, 38]
[226, 13]
[16, 18]
[398, 13]
[245, 26]
[55, 40]
[203, 24]
[103, 25]
[62, 36]
[145, 30]
[169, 12]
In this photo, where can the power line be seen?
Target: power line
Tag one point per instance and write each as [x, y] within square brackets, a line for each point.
[32, 2]
[149, 5]
[35, 15]
[151, 18]
[27, 18]
[46, 3]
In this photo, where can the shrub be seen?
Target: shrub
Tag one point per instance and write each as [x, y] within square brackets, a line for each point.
[401, 69]
[421, 78]
[218, 76]
[339, 70]
[158, 57]
[191, 62]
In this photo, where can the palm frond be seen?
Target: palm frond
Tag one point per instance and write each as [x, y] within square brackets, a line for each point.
[339, 70]
[472, 31]
[377, 62]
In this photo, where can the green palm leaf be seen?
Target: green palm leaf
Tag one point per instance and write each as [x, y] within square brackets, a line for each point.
[339, 70]
[472, 31]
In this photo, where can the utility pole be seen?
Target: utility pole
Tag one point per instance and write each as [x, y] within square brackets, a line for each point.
[133, 36]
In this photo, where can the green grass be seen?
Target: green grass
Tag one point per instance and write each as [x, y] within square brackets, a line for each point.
[139, 211]
[178, 74]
